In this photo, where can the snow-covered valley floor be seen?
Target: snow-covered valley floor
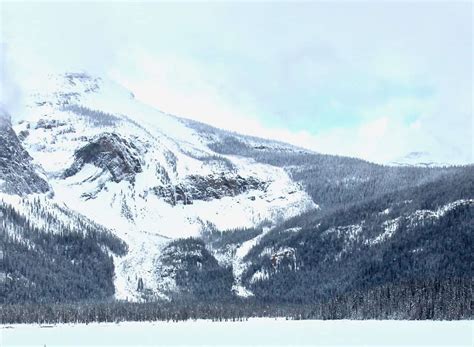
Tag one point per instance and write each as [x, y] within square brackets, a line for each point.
[254, 332]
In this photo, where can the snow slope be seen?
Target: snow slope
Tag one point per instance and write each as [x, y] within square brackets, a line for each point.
[142, 173]
[239, 265]
[422, 159]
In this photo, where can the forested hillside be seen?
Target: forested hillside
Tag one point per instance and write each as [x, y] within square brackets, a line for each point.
[51, 254]
[423, 233]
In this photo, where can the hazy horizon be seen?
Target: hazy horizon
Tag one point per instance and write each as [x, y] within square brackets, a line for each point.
[371, 80]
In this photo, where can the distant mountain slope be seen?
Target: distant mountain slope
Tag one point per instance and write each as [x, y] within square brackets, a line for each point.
[419, 233]
[418, 158]
[330, 180]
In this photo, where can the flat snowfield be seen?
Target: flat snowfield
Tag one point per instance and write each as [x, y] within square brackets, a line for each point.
[254, 332]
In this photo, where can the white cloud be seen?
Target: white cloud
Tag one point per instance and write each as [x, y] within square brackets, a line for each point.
[180, 86]
[387, 130]
[263, 69]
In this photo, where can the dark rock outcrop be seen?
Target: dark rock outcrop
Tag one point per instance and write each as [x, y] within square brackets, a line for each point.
[216, 187]
[111, 153]
[207, 188]
[49, 124]
[18, 174]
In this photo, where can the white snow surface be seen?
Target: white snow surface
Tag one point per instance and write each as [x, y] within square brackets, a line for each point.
[143, 220]
[427, 159]
[239, 265]
[253, 332]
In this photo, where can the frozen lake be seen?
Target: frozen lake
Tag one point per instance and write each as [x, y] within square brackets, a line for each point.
[254, 332]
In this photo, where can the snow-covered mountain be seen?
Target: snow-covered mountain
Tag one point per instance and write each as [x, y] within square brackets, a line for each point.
[148, 176]
[274, 221]
[419, 158]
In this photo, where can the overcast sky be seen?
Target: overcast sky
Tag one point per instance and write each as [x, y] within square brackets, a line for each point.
[374, 79]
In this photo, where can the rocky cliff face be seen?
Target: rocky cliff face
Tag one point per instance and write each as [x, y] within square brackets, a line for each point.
[18, 174]
[206, 188]
[112, 154]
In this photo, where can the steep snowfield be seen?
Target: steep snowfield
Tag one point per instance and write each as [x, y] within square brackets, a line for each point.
[239, 266]
[142, 173]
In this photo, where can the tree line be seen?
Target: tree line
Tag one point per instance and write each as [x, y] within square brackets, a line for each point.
[449, 299]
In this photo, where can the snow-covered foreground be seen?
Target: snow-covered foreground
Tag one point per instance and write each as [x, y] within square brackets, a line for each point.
[254, 332]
